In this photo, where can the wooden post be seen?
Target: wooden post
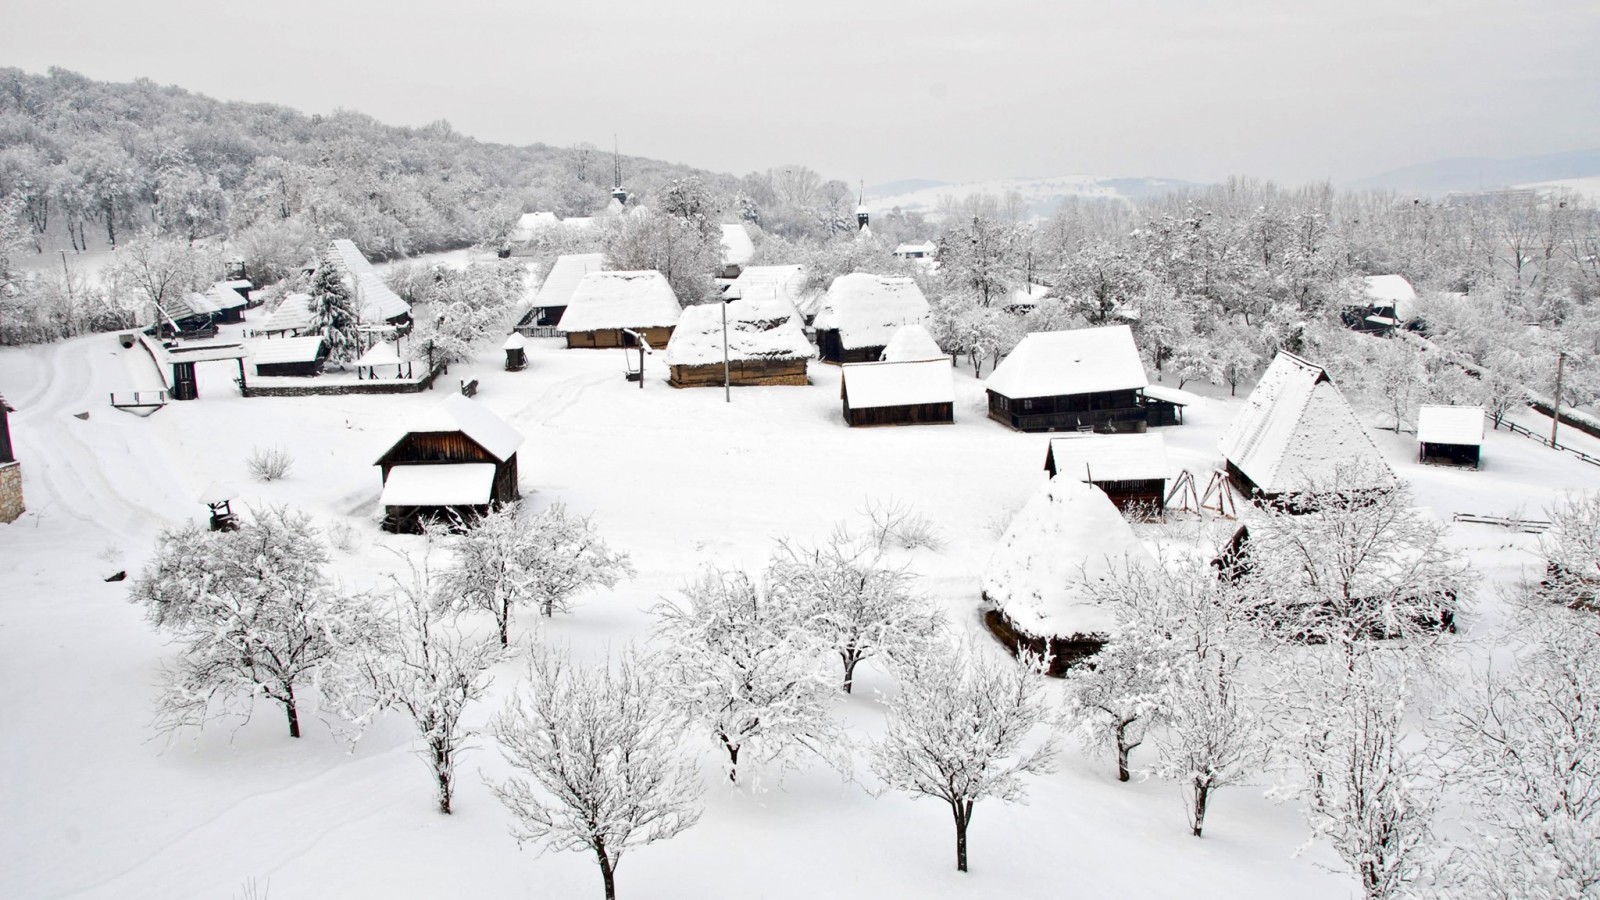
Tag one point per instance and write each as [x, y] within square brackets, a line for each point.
[1555, 406]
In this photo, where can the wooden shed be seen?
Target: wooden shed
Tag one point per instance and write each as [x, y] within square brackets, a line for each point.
[1164, 405]
[300, 357]
[555, 291]
[912, 392]
[861, 312]
[459, 460]
[1297, 431]
[606, 306]
[1132, 469]
[766, 344]
[1450, 435]
[1089, 379]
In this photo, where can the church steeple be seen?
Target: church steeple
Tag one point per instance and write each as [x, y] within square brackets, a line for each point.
[862, 213]
[617, 193]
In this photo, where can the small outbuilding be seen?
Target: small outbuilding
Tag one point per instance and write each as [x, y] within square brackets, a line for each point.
[292, 316]
[1297, 433]
[1450, 435]
[230, 303]
[1038, 584]
[300, 357]
[457, 460]
[1132, 469]
[1164, 405]
[905, 392]
[382, 354]
[516, 348]
[861, 312]
[555, 292]
[1089, 379]
[608, 308]
[766, 344]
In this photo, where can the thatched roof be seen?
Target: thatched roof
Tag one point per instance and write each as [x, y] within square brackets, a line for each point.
[758, 328]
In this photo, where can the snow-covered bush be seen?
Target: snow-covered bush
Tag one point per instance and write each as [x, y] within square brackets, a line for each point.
[269, 463]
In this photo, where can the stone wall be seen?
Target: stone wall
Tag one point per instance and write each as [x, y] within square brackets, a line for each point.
[10, 491]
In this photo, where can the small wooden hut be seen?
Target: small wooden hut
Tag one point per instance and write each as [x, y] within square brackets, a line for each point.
[1132, 469]
[1297, 432]
[1089, 379]
[861, 312]
[905, 392]
[458, 460]
[1067, 537]
[300, 357]
[555, 292]
[766, 344]
[1450, 435]
[608, 308]
[1164, 405]
[516, 348]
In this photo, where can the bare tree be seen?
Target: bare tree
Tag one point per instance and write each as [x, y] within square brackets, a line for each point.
[597, 752]
[740, 664]
[254, 614]
[964, 728]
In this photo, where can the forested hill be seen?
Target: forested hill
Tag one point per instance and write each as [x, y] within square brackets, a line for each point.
[96, 161]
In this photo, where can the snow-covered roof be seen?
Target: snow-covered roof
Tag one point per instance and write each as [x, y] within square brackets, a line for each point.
[439, 484]
[758, 328]
[1110, 457]
[274, 351]
[875, 385]
[1175, 396]
[382, 353]
[868, 309]
[564, 276]
[190, 304]
[1450, 425]
[458, 412]
[605, 300]
[292, 313]
[226, 297]
[736, 246]
[1068, 536]
[206, 351]
[1026, 295]
[786, 282]
[530, 224]
[1391, 290]
[237, 283]
[374, 300]
[927, 248]
[1296, 427]
[911, 342]
[515, 342]
[217, 492]
[1057, 363]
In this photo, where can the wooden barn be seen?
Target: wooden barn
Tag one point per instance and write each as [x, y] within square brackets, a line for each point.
[606, 306]
[1450, 435]
[300, 357]
[292, 316]
[861, 312]
[766, 344]
[1090, 379]
[1297, 432]
[1132, 469]
[1036, 586]
[555, 292]
[906, 392]
[11, 505]
[458, 460]
[375, 302]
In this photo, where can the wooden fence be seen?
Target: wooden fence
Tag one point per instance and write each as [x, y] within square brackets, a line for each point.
[1518, 429]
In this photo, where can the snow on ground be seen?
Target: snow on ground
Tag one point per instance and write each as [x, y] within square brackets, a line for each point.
[98, 807]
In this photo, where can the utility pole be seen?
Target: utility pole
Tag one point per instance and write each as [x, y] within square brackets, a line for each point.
[1555, 407]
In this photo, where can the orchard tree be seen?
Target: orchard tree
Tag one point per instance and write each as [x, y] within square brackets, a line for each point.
[254, 614]
[598, 759]
[1114, 697]
[857, 603]
[739, 661]
[966, 727]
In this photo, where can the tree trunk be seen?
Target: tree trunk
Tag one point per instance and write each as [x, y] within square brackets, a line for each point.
[850, 660]
[441, 770]
[963, 814]
[608, 872]
[293, 713]
[1123, 749]
[504, 621]
[733, 758]
[1202, 792]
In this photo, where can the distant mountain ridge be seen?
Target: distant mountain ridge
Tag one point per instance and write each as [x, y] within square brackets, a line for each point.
[1464, 174]
[1041, 196]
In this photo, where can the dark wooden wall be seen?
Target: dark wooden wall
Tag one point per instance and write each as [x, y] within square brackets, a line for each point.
[750, 372]
[612, 338]
[911, 414]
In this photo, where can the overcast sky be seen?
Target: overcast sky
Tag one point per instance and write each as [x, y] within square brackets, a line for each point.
[1288, 89]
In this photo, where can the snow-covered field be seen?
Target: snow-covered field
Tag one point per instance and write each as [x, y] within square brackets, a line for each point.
[96, 805]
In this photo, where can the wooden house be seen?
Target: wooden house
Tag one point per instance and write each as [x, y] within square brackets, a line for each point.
[1451, 435]
[1385, 302]
[375, 302]
[607, 306]
[300, 357]
[555, 292]
[1297, 434]
[766, 344]
[1090, 379]
[1068, 536]
[11, 505]
[459, 459]
[1131, 469]
[918, 250]
[861, 312]
[292, 316]
[904, 392]
[737, 250]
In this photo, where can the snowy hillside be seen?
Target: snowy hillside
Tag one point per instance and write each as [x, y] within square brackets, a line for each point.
[678, 479]
[1041, 195]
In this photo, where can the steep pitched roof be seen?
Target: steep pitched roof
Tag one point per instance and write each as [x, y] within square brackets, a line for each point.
[1068, 536]
[785, 282]
[1058, 363]
[1110, 457]
[375, 301]
[460, 413]
[736, 246]
[225, 297]
[564, 276]
[292, 313]
[1297, 427]
[875, 385]
[758, 328]
[867, 309]
[912, 342]
[604, 300]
